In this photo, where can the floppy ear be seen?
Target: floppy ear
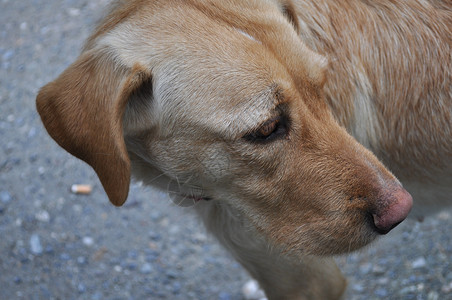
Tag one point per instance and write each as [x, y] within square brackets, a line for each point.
[83, 110]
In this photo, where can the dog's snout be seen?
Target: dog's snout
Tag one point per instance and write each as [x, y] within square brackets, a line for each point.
[393, 214]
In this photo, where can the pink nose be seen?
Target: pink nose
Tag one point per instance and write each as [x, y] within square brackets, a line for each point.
[401, 203]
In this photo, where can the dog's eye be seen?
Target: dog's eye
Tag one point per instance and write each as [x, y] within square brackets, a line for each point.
[268, 131]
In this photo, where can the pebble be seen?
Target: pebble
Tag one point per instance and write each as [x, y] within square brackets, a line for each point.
[251, 291]
[74, 12]
[224, 296]
[33, 158]
[432, 295]
[35, 244]
[132, 254]
[5, 196]
[156, 216]
[383, 293]
[42, 216]
[129, 266]
[32, 132]
[88, 241]
[382, 281]
[97, 296]
[118, 269]
[65, 257]
[155, 236]
[81, 260]
[81, 288]
[49, 250]
[408, 290]
[419, 263]
[377, 270]
[170, 274]
[173, 230]
[199, 238]
[444, 215]
[447, 288]
[420, 287]
[176, 287]
[41, 170]
[357, 287]
[7, 56]
[365, 268]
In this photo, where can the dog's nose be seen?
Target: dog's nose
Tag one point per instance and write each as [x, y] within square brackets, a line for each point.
[392, 215]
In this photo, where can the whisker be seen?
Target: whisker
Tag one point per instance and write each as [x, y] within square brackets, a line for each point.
[156, 177]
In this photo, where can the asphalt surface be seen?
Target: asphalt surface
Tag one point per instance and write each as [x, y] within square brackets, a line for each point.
[58, 245]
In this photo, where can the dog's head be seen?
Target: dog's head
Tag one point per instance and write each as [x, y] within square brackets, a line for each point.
[222, 102]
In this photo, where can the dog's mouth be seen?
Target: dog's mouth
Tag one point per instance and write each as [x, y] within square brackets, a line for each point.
[196, 198]
[188, 199]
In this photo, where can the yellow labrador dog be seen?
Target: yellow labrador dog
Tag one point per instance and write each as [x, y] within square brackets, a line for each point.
[269, 116]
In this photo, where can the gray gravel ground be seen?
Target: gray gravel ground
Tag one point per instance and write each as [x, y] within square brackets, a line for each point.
[57, 245]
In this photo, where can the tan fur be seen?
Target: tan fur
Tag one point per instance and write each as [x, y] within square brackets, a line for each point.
[405, 78]
[172, 90]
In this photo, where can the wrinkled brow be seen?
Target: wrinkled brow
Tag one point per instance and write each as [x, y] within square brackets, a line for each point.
[263, 107]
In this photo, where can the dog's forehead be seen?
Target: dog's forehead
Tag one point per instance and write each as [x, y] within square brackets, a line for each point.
[230, 103]
[228, 85]
[216, 76]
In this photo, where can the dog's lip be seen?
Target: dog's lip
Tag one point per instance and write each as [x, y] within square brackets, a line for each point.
[196, 198]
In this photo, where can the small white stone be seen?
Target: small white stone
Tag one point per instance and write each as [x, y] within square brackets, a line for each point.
[146, 269]
[251, 291]
[74, 12]
[358, 287]
[10, 118]
[200, 237]
[419, 263]
[377, 270]
[118, 269]
[43, 216]
[35, 245]
[447, 288]
[444, 216]
[88, 241]
[365, 268]
[408, 289]
[432, 295]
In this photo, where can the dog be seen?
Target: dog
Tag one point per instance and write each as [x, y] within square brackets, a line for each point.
[278, 120]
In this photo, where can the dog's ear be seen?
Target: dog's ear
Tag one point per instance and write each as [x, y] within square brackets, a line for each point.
[83, 111]
[288, 9]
